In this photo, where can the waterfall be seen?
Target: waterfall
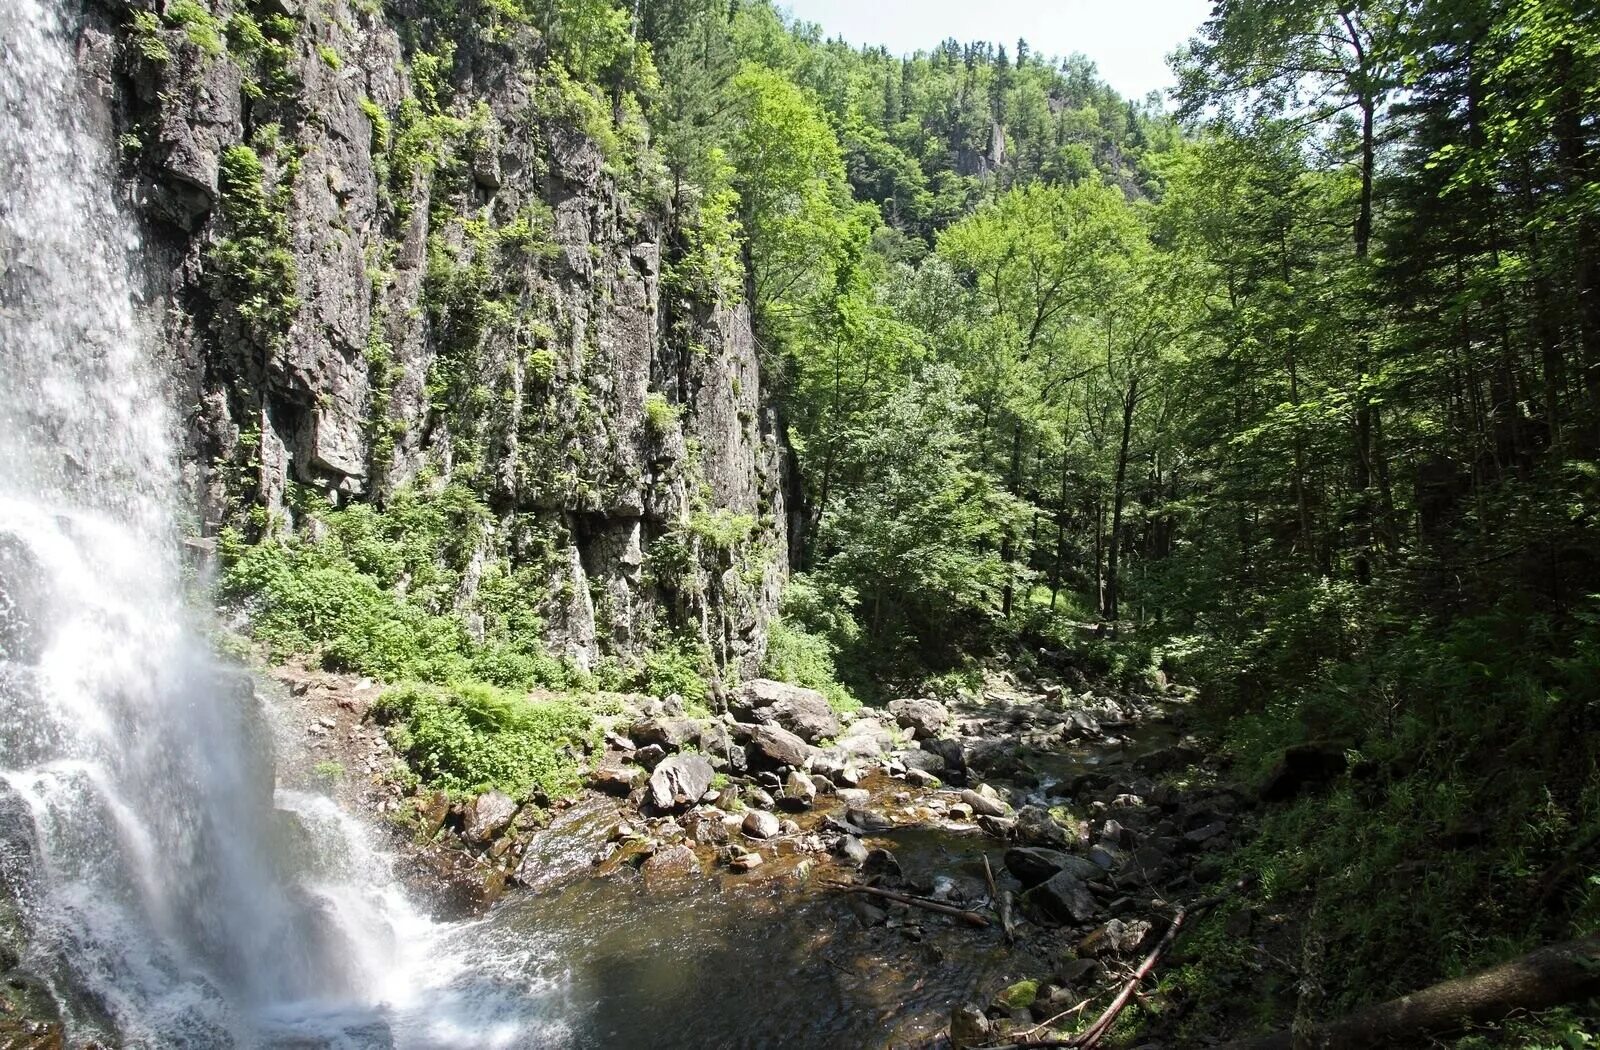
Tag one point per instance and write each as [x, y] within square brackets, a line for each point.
[165, 895]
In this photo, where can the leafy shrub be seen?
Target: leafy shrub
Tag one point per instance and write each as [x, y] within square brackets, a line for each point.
[470, 737]
[678, 667]
[796, 655]
[660, 415]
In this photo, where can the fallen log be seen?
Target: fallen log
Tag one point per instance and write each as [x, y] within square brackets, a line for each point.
[971, 918]
[1550, 976]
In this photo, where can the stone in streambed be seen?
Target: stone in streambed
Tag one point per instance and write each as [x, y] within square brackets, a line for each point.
[803, 712]
[759, 824]
[680, 781]
[1033, 865]
[925, 718]
[1063, 898]
[969, 1027]
[489, 814]
[670, 863]
[983, 805]
[773, 747]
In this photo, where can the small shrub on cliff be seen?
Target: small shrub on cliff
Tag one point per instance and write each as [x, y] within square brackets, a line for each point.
[470, 737]
[678, 667]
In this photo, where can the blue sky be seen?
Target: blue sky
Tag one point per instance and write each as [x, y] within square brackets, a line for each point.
[1128, 39]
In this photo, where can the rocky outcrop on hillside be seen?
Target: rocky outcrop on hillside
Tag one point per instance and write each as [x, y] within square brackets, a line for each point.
[392, 252]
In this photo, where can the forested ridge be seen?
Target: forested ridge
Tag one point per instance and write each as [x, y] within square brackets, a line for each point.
[1286, 387]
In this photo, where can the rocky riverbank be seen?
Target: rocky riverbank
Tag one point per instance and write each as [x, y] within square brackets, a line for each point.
[1046, 831]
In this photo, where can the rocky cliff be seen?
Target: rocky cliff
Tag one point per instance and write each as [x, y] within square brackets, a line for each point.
[397, 249]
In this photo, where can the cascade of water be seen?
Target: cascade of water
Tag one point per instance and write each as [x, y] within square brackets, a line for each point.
[166, 897]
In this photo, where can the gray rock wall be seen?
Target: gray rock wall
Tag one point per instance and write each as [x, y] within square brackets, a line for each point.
[473, 292]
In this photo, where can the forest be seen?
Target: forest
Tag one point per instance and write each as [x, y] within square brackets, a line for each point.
[1286, 387]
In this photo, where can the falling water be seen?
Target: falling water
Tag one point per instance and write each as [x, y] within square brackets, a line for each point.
[166, 895]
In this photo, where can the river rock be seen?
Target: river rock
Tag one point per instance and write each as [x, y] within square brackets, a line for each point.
[880, 864]
[799, 792]
[759, 824]
[867, 820]
[773, 747]
[670, 733]
[489, 814]
[983, 805]
[925, 718]
[1032, 865]
[969, 1027]
[851, 850]
[680, 781]
[954, 755]
[615, 779]
[926, 761]
[1063, 898]
[748, 861]
[803, 712]
[672, 862]
[1036, 827]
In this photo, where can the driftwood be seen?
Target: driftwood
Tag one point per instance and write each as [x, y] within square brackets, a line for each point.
[971, 918]
[1091, 1036]
[1550, 976]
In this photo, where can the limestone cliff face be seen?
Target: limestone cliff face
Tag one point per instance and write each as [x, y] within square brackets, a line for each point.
[392, 256]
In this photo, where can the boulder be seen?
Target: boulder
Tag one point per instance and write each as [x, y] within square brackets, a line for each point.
[983, 805]
[925, 718]
[672, 862]
[954, 756]
[489, 814]
[851, 851]
[803, 712]
[1032, 865]
[615, 779]
[799, 791]
[670, 733]
[969, 1027]
[1063, 898]
[880, 863]
[680, 781]
[773, 747]
[926, 761]
[1036, 827]
[759, 824]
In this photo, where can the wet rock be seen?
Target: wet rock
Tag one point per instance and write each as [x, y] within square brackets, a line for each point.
[803, 712]
[759, 797]
[925, 718]
[954, 756]
[617, 780]
[1063, 898]
[1036, 827]
[746, 862]
[999, 827]
[799, 792]
[969, 1027]
[880, 863]
[489, 814]
[926, 761]
[852, 796]
[1032, 865]
[868, 820]
[22, 602]
[670, 733]
[759, 824]
[672, 862]
[866, 912]
[851, 850]
[680, 781]
[432, 812]
[1301, 768]
[773, 747]
[920, 778]
[983, 804]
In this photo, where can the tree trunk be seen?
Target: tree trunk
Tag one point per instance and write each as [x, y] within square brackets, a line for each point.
[1548, 977]
[1130, 403]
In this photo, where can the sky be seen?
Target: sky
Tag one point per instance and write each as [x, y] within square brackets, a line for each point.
[1127, 39]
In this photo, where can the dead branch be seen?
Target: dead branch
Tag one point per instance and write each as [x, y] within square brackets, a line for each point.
[971, 918]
